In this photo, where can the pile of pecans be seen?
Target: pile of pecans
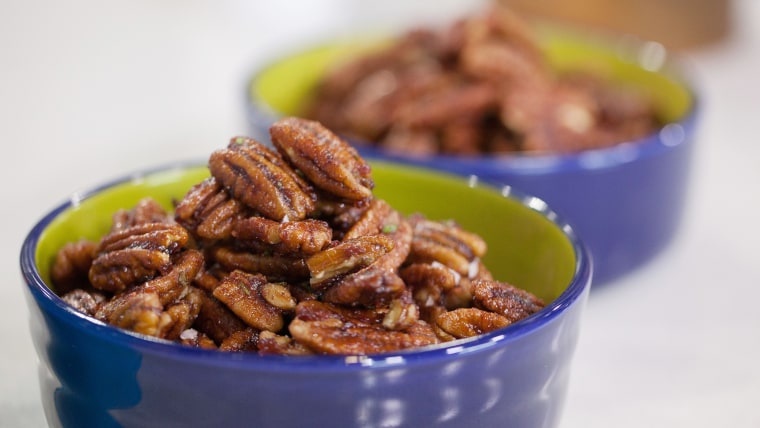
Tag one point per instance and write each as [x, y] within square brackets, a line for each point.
[479, 86]
[287, 251]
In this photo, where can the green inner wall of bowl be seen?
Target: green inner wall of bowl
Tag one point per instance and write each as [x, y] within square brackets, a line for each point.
[285, 86]
[524, 248]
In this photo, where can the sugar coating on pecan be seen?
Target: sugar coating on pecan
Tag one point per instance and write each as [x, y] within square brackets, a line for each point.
[261, 180]
[468, 322]
[208, 211]
[243, 293]
[135, 254]
[72, 266]
[287, 252]
[329, 162]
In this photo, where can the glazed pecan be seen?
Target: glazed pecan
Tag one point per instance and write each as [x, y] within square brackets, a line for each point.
[370, 286]
[278, 295]
[245, 340]
[442, 107]
[137, 310]
[216, 320]
[402, 313]
[307, 236]
[261, 180]
[505, 299]
[373, 220]
[208, 211]
[175, 282]
[446, 243]
[346, 257]
[84, 301]
[271, 343]
[329, 162]
[167, 238]
[276, 267]
[181, 313]
[419, 142]
[468, 322]
[147, 210]
[115, 271]
[315, 310]
[333, 336]
[431, 276]
[428, 283]
[378, 282]
[480, 85]
[71, 266]
[134, 255]
[140, 310]
[243, 294]
[330, 329]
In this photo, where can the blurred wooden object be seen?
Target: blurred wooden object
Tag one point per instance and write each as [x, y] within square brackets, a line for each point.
[677, 24]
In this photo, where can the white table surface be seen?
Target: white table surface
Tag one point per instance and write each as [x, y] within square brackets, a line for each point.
[93, 89]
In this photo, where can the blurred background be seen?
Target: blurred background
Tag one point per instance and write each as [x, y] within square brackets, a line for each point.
[91, 90]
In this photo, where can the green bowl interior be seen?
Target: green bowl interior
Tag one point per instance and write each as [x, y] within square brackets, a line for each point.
[286, 85]
[524, 247]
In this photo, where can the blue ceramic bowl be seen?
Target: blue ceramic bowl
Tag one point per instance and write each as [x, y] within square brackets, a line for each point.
[625, 201]
[93, 374]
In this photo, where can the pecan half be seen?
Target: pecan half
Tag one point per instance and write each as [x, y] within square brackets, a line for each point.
[307, 236]
[168, 238]
[147, 210]
[114, 271]
[134, 255]
[261, 180]
[334, 330]
[181, 314]
[275, 267]
[271, 343]
[242, 293]
[446, 243]
[373, 220]
[377, 283]
[505, 299]
[174, 283]
[402, 312]
[468, 322]
[246, 340]
[346, 257]
[137, 310]
[329, 162]
[84, 301]
[335, 337]
[216, 320]
[71, 266]
[208, 211]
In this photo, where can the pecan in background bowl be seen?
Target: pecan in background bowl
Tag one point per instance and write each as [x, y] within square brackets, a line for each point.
[95, 374]
[617, 169]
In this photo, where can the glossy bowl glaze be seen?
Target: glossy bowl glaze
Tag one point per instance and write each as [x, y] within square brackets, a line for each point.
[625, 201]
[92, 374]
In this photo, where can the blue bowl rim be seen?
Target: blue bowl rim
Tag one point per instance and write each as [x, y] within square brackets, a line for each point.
[668, 137]
[51, 304]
